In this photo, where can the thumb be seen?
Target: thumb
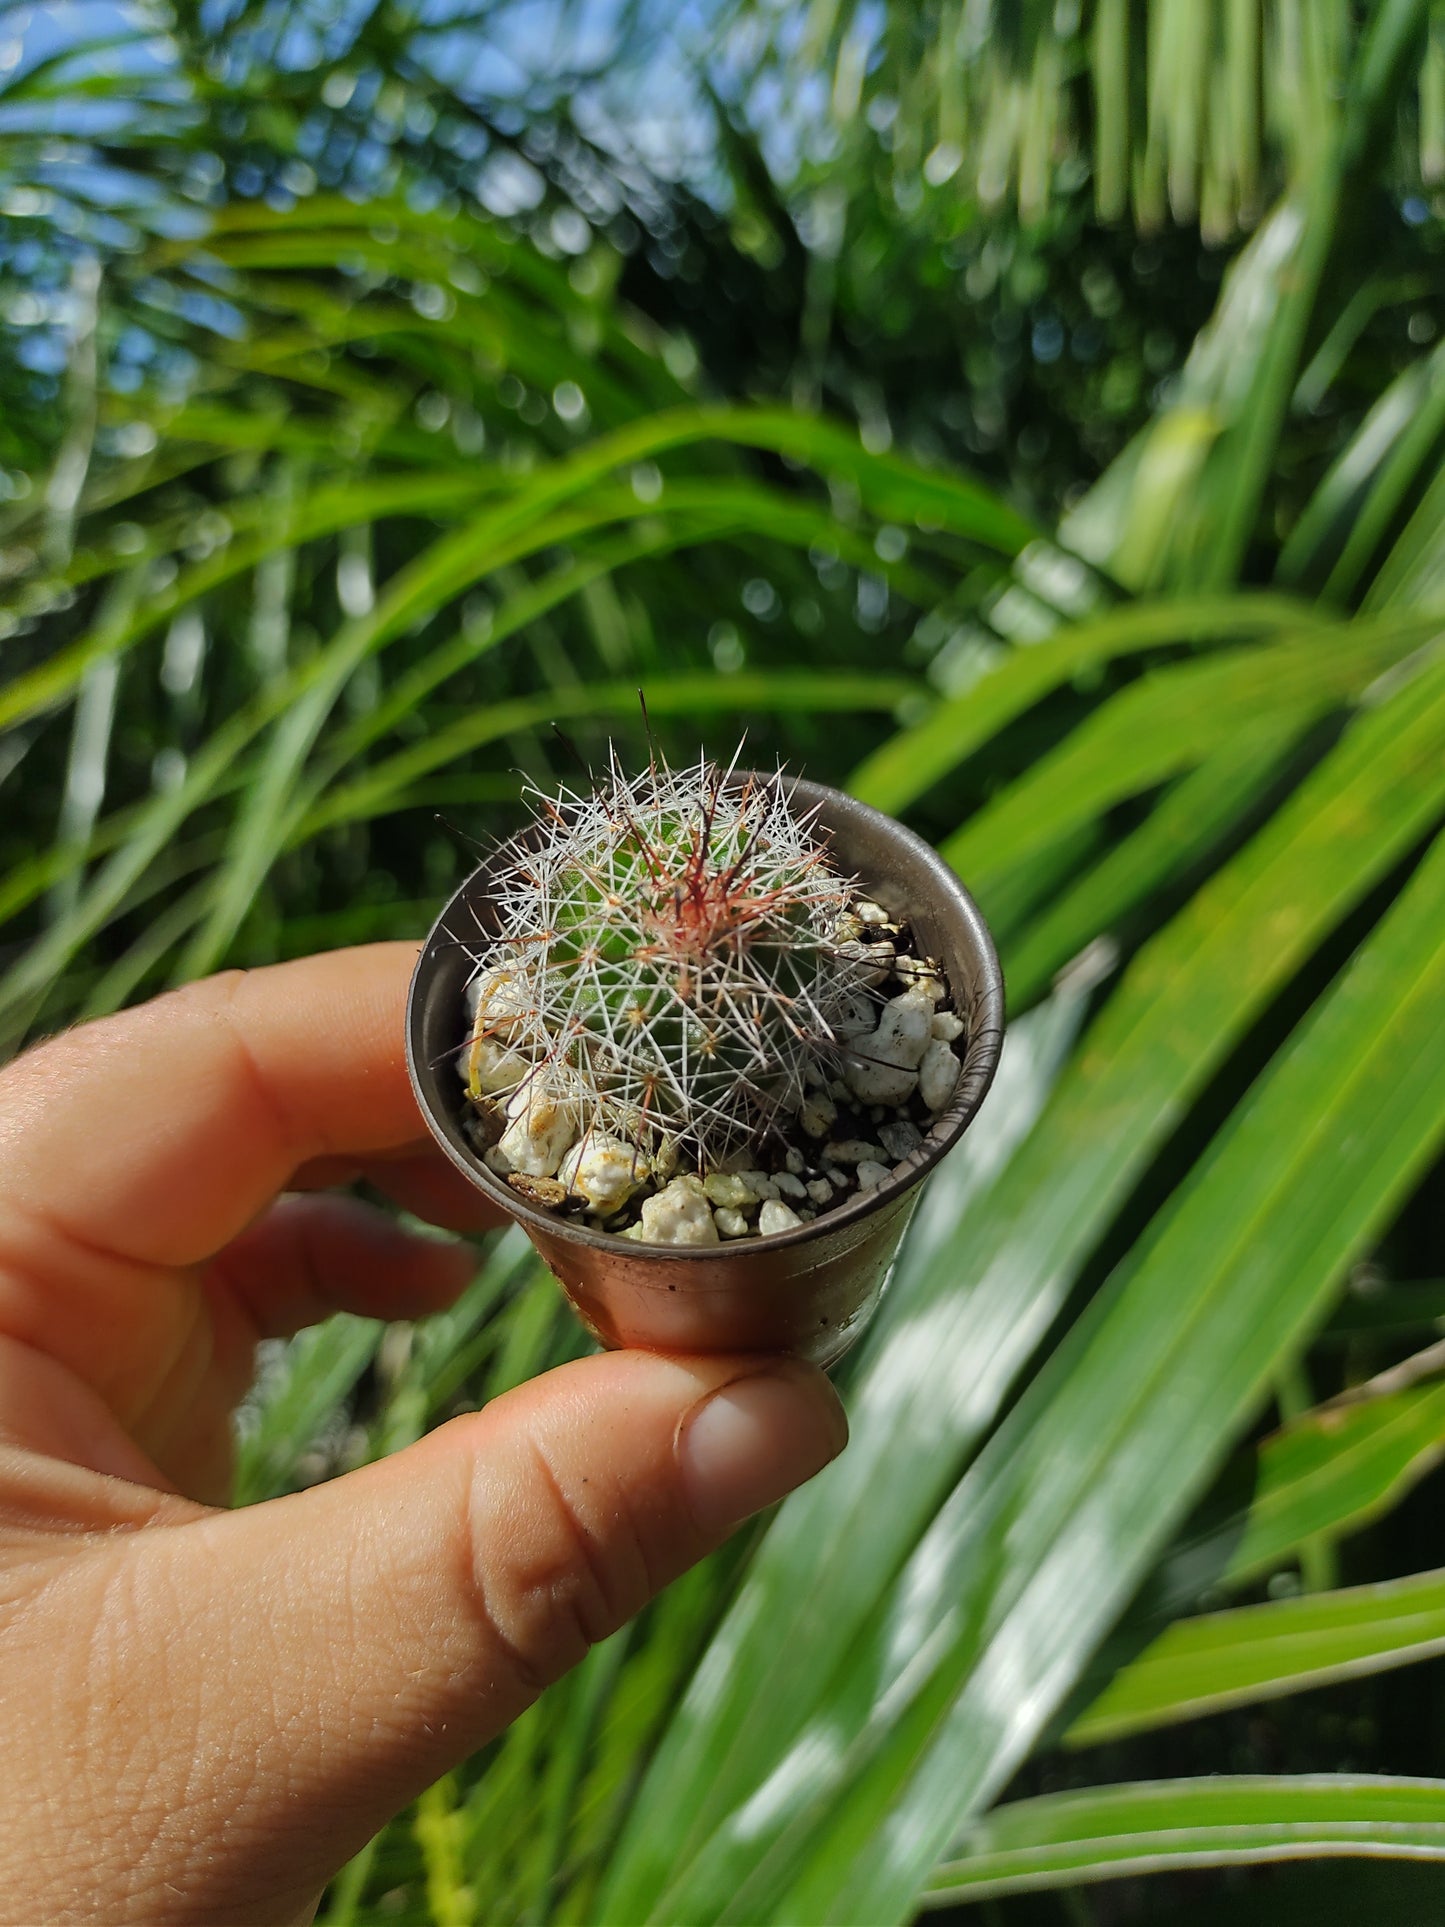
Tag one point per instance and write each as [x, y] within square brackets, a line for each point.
[355, 1641]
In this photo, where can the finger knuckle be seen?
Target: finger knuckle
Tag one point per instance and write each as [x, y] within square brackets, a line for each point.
[569, 1577]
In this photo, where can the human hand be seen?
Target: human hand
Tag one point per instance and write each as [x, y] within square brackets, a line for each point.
[206, 1712]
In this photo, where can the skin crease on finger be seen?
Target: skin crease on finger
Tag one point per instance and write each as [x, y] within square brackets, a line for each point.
[206, 1712]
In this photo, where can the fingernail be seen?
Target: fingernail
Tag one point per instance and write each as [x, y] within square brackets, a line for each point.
[754, 1441]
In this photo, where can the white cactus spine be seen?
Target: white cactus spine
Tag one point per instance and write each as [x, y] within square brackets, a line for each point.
[671, 955]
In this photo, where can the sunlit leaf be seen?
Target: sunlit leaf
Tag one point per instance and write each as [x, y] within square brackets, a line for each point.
[1119, 1832]
[1259, 1652]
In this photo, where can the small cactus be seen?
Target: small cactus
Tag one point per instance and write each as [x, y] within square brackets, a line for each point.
[673, 955]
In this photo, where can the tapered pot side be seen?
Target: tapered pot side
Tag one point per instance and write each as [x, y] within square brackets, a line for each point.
[808, 1291]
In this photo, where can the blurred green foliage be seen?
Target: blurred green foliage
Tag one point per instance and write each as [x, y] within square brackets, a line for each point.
[1030, 416]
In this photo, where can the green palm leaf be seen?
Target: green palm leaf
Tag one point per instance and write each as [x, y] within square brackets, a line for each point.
[1327, 1473]
[1114, 1833]
[1258, 1652]
[1191, 1330]
[1183, 111]
[829, 1562]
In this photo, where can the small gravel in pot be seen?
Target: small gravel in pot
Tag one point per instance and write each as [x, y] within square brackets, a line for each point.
[871, 1099]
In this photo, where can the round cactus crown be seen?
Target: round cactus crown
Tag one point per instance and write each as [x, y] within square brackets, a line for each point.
[668, 958]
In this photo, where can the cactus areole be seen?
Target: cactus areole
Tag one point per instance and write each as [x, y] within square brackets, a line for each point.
[712, 1028]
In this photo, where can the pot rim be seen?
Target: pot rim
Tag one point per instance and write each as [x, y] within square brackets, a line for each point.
[985, 1041]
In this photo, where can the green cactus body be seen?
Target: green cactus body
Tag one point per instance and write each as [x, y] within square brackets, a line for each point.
[667, 960]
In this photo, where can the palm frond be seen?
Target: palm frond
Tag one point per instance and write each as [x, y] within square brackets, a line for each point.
[1184, 112]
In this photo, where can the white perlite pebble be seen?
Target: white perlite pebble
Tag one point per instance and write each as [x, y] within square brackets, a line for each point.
[487, 1069]
[795, 1161]
[541, 1131]
[864, 1017]
[776, 1216]
[664, 1159]
[603, 1170]
[948, 1026]
[730, 1191]
[900, 1139]
[789, 1186]
[817, 1114]
[679, 1215]
[884, 1071]
[871, 1175]
[873, 961]
[759, 1184]
[820, 1191]
[496, 1000]
[922, 973]
[852, 1150]
[732, 1224]
[938, 1074]
[867, 912]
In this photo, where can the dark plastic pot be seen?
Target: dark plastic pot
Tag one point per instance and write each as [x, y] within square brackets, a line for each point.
[808, 1291]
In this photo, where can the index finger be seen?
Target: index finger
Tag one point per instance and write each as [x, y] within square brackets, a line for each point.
[158, 1134]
